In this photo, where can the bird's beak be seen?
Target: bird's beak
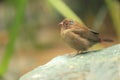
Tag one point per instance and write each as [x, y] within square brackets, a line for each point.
[60, 24]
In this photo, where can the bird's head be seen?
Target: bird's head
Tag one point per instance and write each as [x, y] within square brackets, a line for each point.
[67, 23]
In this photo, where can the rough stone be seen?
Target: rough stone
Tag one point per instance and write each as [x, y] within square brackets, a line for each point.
[94, 65]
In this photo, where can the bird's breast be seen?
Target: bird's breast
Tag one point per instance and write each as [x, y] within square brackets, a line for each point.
[74, 40]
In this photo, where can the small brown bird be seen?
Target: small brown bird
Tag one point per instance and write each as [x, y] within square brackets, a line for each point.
[79, 36]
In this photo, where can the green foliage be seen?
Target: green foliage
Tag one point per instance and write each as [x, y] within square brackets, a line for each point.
[13, 35]
[64, 10]
[13, 2]
[114, 9]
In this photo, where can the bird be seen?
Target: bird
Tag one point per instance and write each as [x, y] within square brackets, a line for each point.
[79, 36]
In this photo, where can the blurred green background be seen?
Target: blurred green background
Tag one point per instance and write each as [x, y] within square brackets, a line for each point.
[30, 36]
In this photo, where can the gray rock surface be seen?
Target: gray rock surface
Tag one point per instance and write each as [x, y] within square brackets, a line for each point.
[95, 65]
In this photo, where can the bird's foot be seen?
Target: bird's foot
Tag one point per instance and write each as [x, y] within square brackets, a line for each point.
[73, 54]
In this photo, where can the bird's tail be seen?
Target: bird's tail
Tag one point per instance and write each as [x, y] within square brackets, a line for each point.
[106, 40]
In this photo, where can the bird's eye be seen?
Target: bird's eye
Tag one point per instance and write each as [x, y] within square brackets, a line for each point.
[71, 22]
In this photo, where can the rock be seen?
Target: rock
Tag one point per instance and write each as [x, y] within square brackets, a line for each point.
[95, 65]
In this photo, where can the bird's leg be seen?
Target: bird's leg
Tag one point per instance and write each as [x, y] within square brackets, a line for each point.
[79, 52]
[73, 54]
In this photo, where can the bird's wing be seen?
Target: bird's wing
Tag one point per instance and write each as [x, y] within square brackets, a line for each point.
[94, 32]
[88, 34]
